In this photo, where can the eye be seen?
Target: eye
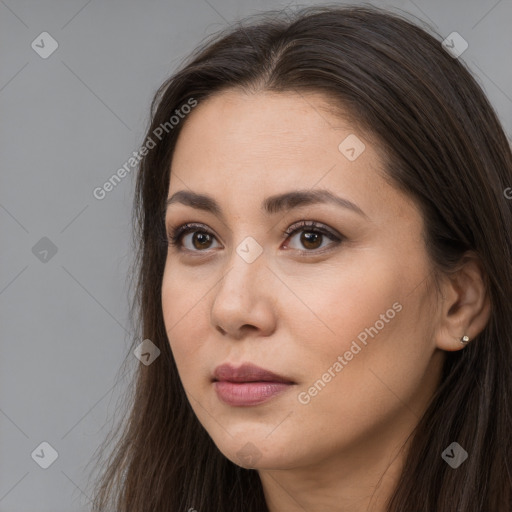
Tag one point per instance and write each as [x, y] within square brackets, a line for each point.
[312, 235]
[201, 237]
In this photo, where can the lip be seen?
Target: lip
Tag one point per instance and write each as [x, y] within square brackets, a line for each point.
[247, 372]
[247, 385]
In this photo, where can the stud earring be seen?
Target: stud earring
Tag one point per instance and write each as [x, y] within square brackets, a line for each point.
[464, 340]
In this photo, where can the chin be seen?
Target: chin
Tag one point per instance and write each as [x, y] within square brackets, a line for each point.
[256, 452]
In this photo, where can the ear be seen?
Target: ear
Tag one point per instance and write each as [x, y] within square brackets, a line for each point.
[465, 307]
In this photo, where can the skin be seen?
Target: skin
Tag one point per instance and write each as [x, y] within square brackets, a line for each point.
[294, 313]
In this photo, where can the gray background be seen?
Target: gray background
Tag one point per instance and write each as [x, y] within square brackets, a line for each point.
[68, 122]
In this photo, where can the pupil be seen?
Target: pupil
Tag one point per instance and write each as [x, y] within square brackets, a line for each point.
[309, 238]
[201, 238]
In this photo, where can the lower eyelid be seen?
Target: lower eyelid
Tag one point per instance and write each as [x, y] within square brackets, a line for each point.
[178, 243]
[334, 242]
[317, 230]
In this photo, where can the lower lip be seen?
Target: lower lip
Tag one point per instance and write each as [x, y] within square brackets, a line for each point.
[248, 393]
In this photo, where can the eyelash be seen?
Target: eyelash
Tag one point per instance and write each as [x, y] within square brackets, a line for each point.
[175, 234]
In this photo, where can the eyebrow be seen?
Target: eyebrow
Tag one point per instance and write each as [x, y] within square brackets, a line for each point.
[271, 205]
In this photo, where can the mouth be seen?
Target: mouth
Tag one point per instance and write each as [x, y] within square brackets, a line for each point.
[247, 372]
[248, 385]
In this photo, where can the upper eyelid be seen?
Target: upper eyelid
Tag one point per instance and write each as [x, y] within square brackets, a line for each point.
[312, 224]
[183, 229]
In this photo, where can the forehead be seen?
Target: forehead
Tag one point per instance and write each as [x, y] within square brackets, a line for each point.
[257, 122]
[240, 146]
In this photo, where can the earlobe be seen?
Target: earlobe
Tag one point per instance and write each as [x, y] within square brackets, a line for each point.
[465, 308]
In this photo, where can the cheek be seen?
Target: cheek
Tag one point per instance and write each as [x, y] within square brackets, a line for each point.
[338, 304]
[185, 314]
[365, 354]
[356, 322]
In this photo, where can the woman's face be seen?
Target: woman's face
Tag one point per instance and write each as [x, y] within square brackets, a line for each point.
[339, 311]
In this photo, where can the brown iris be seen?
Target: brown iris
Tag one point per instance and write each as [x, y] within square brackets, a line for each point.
[202, 239]
[309, 239]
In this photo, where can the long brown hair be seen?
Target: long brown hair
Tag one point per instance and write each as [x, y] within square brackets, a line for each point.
[445, 147]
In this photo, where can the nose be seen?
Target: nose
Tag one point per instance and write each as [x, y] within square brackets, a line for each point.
[244, 300]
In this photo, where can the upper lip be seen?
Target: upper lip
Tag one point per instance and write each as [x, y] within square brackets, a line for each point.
[247, 372]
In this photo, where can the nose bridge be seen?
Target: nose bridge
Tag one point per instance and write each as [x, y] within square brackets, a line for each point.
[245, 267]
[241, 296]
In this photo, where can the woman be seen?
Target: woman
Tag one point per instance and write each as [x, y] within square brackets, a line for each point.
[326, 269]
